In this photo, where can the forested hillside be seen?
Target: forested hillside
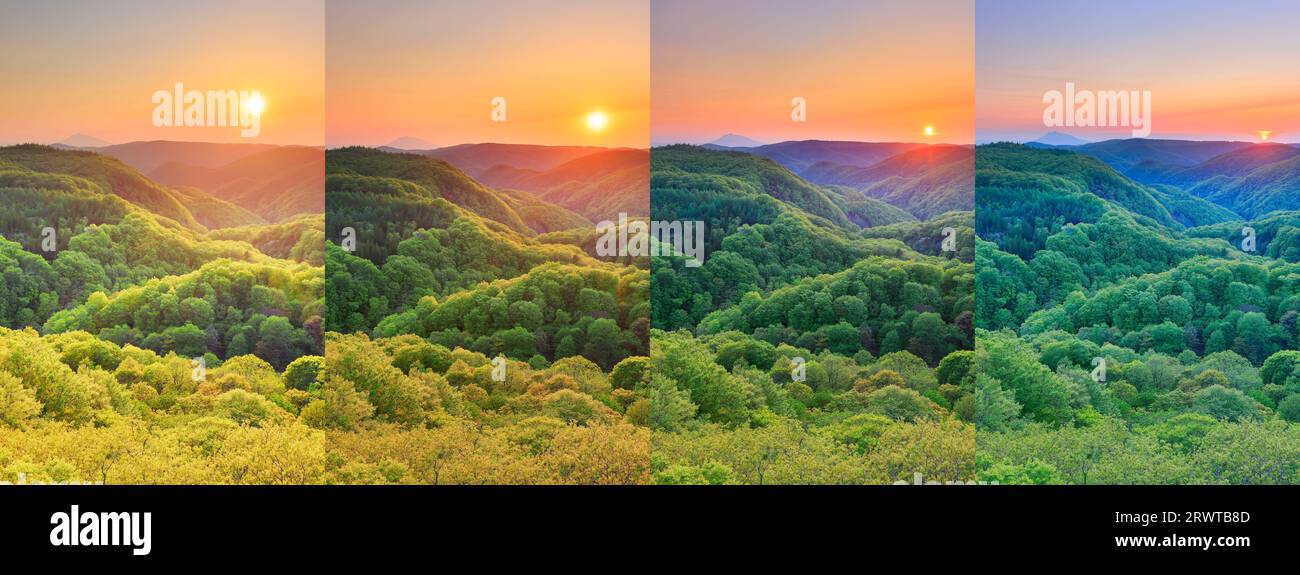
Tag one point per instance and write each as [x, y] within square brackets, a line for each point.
[805, 349]
[463, 348]
[138, 346]
[1116, 344]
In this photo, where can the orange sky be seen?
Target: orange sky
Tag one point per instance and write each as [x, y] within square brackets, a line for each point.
[430, 70]
[870, 70]
[92, 67]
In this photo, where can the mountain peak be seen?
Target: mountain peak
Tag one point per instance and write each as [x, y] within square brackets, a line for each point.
[410, 143]
[736, 141]
[1059, 139]
[83, 141]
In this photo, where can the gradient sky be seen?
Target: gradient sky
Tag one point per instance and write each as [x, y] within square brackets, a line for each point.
[431, 69]
[92, 67]
[869, 70]
[1215, 69]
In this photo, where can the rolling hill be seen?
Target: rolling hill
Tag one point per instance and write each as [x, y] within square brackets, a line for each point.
[1126, 154]
[925, 181]
[1055, 168]
[475, 159]
[276, 183]
[1269, 188]
[1246, 179]
[743, 173]
[111, 175]
[800, 155]
[599, 186]
[147, 156]
[435, 177]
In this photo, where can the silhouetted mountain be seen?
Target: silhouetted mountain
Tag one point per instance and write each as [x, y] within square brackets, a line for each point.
[1058, 139]
[82, 141]
[409, 143]
[735, 141]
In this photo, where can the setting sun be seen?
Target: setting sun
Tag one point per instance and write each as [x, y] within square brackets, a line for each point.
[1264, 134]
[255, 104]
[596, 121]
[929, 131]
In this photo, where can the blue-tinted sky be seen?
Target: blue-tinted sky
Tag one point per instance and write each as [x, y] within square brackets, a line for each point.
[1216, 69]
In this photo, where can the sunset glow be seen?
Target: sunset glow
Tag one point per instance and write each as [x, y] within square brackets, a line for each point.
[596, 121]
[91, 68]
[256, 104]
[430, 70]
[868, 71]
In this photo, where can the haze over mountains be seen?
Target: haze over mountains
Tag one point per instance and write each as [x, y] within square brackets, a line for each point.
[270, 183]
[276, 183]
[871, 183]
[1248, 179]
[882, 182]
[474, 159]
[799, 155]
[590, 182]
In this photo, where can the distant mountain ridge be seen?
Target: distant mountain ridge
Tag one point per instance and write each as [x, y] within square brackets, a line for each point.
[475, 159]
[599, 186]
[1124, 154]
[1059, 139]
[735, 141]
[1246, 178]
[409, 143]
[147, 156]
[923, 180]
[277, 183]
[82, 141]
[267, 182]
[800, 155]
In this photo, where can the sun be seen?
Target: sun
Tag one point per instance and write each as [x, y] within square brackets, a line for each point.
[255, 104]
[596, 121]
[1264, 134]
[928, 131]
